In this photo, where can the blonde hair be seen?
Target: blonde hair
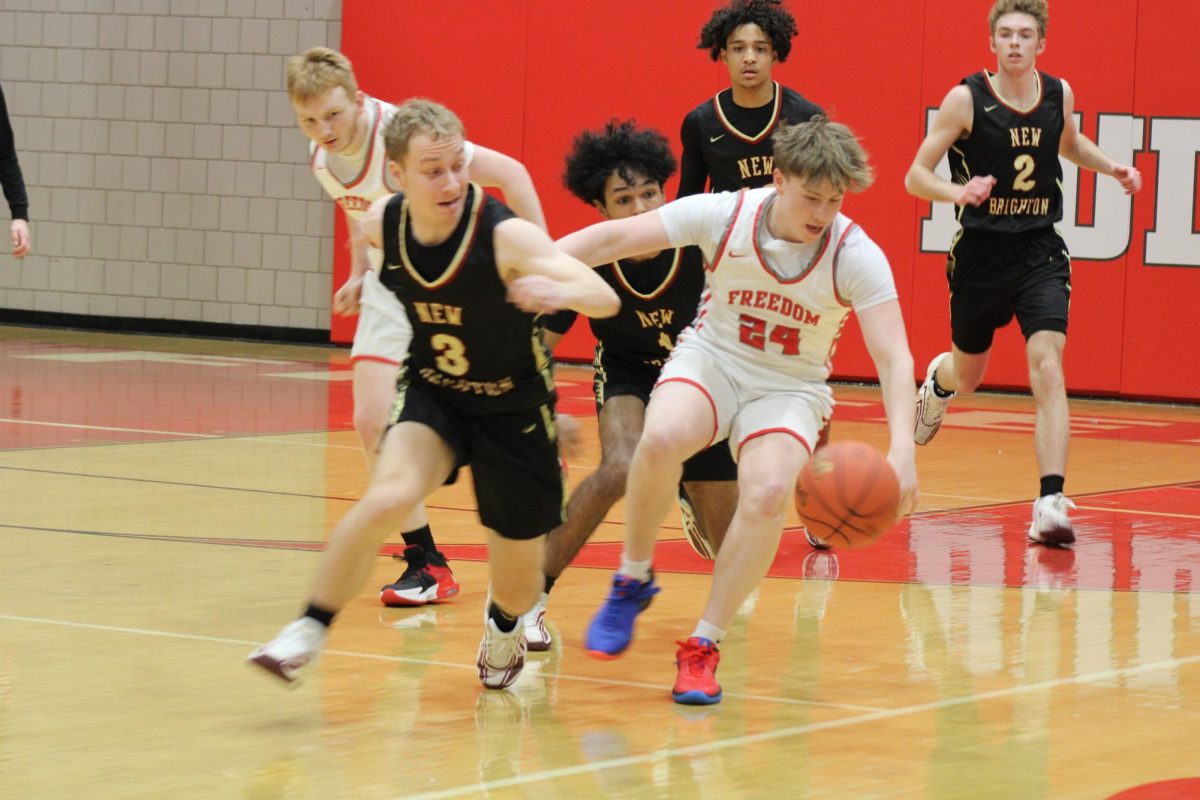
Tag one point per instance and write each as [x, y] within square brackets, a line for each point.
[318, 71]
[418, 116]
[819, 150]
[1038, 9]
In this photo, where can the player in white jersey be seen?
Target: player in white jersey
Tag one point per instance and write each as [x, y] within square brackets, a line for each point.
[347, 157]
[785, 268]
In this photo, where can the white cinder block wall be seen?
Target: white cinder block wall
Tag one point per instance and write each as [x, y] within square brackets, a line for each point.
[166, 176]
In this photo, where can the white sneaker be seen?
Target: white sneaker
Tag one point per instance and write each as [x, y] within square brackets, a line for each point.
[296, 646]
[930, 408]
[691, 527]
[501, 655]
[1051, 523]
[537, 638]
[814, 542]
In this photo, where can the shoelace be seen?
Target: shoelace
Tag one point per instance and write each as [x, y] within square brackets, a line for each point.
[508, 647]
[414, 557]
[693, 658]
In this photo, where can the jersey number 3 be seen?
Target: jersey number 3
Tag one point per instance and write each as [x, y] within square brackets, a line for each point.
[452, 354]
[754, 333]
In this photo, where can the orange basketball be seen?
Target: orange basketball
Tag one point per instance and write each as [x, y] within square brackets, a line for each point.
[848, 495]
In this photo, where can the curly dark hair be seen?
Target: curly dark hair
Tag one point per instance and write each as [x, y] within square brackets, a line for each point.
[620, 147]
[770, 15]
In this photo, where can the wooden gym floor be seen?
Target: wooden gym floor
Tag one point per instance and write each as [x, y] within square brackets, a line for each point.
[164, 502]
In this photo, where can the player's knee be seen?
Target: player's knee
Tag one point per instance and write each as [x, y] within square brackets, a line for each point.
[370, 421]
[611, 477]
[384, 503]
[661, 446]
[1045, 374]
[766, 498]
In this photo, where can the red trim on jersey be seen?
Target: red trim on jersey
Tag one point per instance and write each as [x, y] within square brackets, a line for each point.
[389, 361]
[728, 230]
[788, 431]
[712, 405]
[765, 132]
[762, 261]
[987, 80]
[370, 149]
[836, 251]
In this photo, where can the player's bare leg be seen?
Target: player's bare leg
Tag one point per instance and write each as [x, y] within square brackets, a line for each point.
[621, 421]
[1051, 523]
[767, 470]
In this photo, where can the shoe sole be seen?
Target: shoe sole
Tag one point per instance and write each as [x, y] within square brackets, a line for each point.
[392, 600]
[1059, 537]
[696, 698]
[272, 666]
[537, 647]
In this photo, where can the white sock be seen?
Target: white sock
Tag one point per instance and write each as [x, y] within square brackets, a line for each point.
[706, 630]
[638, 570]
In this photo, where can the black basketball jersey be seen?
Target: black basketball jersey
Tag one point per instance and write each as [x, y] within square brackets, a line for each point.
[735, 142]
[1018, 148]
[659, 298]
[481, 352]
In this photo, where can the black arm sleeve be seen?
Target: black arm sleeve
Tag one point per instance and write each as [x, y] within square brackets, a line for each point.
[693, 172]
[560, 321]
[10, 169]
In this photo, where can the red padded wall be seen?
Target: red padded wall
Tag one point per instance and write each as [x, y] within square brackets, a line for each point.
[526, 76]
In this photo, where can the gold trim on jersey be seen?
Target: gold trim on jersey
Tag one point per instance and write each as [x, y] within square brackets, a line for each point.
[987, 78]
[475, 195]
[758, 137]
[662, 287]
[541, 353]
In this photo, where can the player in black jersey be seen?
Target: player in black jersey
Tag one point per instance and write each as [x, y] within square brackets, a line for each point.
[475, 390]
[621, 171]
[727, 139]
[1005, 132]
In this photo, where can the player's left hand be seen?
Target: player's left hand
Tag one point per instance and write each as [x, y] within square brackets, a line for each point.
[1129, 178]
[906, 470]
[536, 294]
[346, 300]
[21, 240]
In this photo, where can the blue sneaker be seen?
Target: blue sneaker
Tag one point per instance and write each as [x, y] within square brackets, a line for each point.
[611, 630]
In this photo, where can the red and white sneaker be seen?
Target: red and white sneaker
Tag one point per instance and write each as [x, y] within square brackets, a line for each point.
[931, 409]
[696, 684]
[691, 528]
[501, 655]
[426, 579]
[296, 647]
[537, 638]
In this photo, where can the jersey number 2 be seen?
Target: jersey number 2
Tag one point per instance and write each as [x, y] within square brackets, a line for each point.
[754, 333]
[1024, 165]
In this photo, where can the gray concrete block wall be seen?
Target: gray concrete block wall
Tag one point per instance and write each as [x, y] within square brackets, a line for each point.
[166, 177]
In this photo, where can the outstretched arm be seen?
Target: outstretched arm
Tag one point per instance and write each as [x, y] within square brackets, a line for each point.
[543, 278]
[1081, 150]
[953, 119]
[615, 239]
[491, 168]
[883, 332]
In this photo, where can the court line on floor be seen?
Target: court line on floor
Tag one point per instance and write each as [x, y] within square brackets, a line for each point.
[274, 436]
[655, 687]
[798, 730]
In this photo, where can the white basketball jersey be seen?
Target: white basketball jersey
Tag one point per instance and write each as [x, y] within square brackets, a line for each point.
[356, 195]
[749, 312]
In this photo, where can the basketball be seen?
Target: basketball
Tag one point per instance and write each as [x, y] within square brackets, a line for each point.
[848, 495]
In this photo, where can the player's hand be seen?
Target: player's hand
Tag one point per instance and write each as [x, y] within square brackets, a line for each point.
[346, 300]
[1129, 178]
[21, 241]
[906, 470]
[976, 190]
[536, 294]
[570, 436]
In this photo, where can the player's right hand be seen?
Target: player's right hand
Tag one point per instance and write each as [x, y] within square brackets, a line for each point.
[346, 300]
[976, 190]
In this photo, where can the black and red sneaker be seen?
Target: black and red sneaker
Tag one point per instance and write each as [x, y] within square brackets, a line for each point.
[426, 579]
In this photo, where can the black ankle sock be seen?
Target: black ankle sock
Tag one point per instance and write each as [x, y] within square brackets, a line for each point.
[549, 584]
[321, 615]
[422, 536]
[937, 387]
[503, 621]
[1052, 484]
